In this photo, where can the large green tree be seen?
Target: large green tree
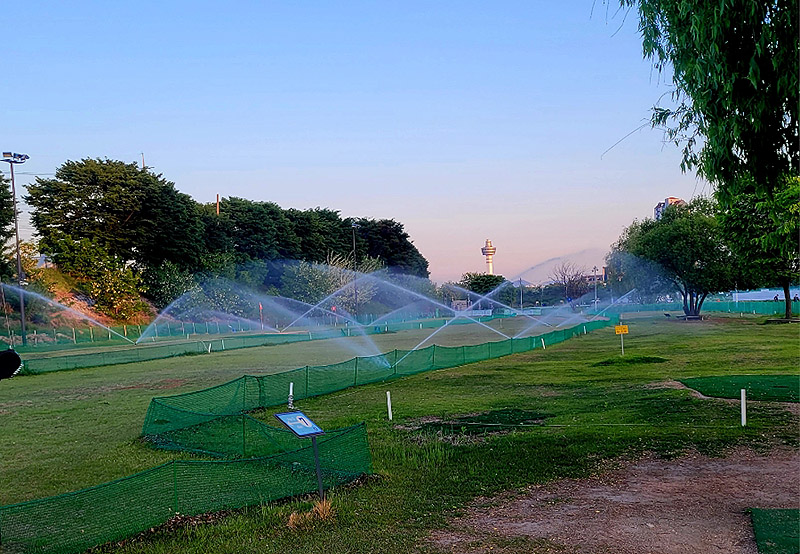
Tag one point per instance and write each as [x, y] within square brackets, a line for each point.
[688, 247]
[734, 67]
[131, 213]
[387, 239]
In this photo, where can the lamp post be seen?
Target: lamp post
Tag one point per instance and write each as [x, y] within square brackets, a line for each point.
[355, 226]
[595, 286]
[13, 158]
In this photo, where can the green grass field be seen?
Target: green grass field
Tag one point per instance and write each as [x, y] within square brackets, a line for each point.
[775, 388]
[777, 531]
[74, 429]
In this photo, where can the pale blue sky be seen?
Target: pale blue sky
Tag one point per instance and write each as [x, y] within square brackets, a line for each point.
[463, 120]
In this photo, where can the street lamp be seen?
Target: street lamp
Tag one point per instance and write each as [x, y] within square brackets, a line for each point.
[13, 158]
[355, 226]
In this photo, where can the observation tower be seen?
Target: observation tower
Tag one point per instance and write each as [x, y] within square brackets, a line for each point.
[489, 251]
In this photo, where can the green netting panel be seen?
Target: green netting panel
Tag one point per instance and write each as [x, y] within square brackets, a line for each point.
[76, 521]
[414, 361]
[476, 353]
[446, 356]
[373, 368]
[523, 345]
[162, 418]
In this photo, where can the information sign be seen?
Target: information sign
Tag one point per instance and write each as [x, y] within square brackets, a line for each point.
[300, 424]
[621, 329]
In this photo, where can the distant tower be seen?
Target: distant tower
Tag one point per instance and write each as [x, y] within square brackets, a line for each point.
[489, 251]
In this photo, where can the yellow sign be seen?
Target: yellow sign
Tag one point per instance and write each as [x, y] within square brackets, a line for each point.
[621, 329]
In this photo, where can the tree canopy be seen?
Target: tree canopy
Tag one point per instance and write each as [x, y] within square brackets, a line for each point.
[734, 68]
[135, 219]
[687, 247]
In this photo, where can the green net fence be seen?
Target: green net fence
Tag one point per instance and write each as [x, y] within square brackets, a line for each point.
[731, 307]
[76, 521]
[117, 352]
[254, 462]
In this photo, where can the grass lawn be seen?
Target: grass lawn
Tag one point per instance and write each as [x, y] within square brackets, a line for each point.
[777, 531]
[74, 429]
[775, 388]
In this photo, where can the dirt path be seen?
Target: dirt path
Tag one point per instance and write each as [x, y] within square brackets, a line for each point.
[693, 504]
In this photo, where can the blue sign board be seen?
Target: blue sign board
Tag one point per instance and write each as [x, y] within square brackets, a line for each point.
[300, 424]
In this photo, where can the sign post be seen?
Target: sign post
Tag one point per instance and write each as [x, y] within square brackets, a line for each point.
[621, 330]
[300, 424]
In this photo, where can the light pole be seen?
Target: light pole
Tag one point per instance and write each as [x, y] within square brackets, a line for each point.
[355, 226]
[13, 158]
[595, 286]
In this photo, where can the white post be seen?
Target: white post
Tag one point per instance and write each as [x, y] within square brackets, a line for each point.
[584, 329]
[223, 343]
[389, 404]
[543, 346]
[744, 407]
[291, 396]
[622, 343]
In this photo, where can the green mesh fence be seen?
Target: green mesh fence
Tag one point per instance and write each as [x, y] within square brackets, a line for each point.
[731, 307]
[167, 415]
[76, 521]
[255, 462]
[119, 352]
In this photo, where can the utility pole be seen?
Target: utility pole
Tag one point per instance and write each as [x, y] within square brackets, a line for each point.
[355, 226]
[11, 159]
[595, 287]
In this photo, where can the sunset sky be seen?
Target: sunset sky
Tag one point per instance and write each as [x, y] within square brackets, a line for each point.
[462, 120]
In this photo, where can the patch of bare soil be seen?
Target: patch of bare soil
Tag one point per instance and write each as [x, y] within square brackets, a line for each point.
[693, 504]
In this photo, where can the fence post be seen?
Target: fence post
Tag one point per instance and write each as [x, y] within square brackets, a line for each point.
[307, 394]
[355, 372]
[175, 486]
[463, 355]
[433, 358]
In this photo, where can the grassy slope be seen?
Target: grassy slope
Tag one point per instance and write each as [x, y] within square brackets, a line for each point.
[64, 435]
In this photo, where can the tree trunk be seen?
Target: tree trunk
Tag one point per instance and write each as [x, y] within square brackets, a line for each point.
[684, 295]
[787, 299]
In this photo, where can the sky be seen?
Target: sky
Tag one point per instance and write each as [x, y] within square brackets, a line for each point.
[524, 122]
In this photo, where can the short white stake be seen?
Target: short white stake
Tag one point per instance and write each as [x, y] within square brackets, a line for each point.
[744, 407]
[389, 404]
[291, 396]
[543, 346]
[584, 329]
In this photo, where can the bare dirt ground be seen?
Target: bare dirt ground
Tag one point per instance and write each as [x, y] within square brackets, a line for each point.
[693, 504]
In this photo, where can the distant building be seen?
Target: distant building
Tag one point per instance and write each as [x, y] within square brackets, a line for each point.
[461, 305]
[658, 211]
[602, 276]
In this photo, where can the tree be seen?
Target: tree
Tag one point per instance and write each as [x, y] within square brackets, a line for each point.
[386, 239]
[765, 242]
[687, 245]
[571, 278]
[311, 283]
[736, 85]
[119, 207]
[734, 69]
[112, 285]
[642, 279]
[480, 283]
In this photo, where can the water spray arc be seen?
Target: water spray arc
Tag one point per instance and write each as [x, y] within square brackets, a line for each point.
[60, 306]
